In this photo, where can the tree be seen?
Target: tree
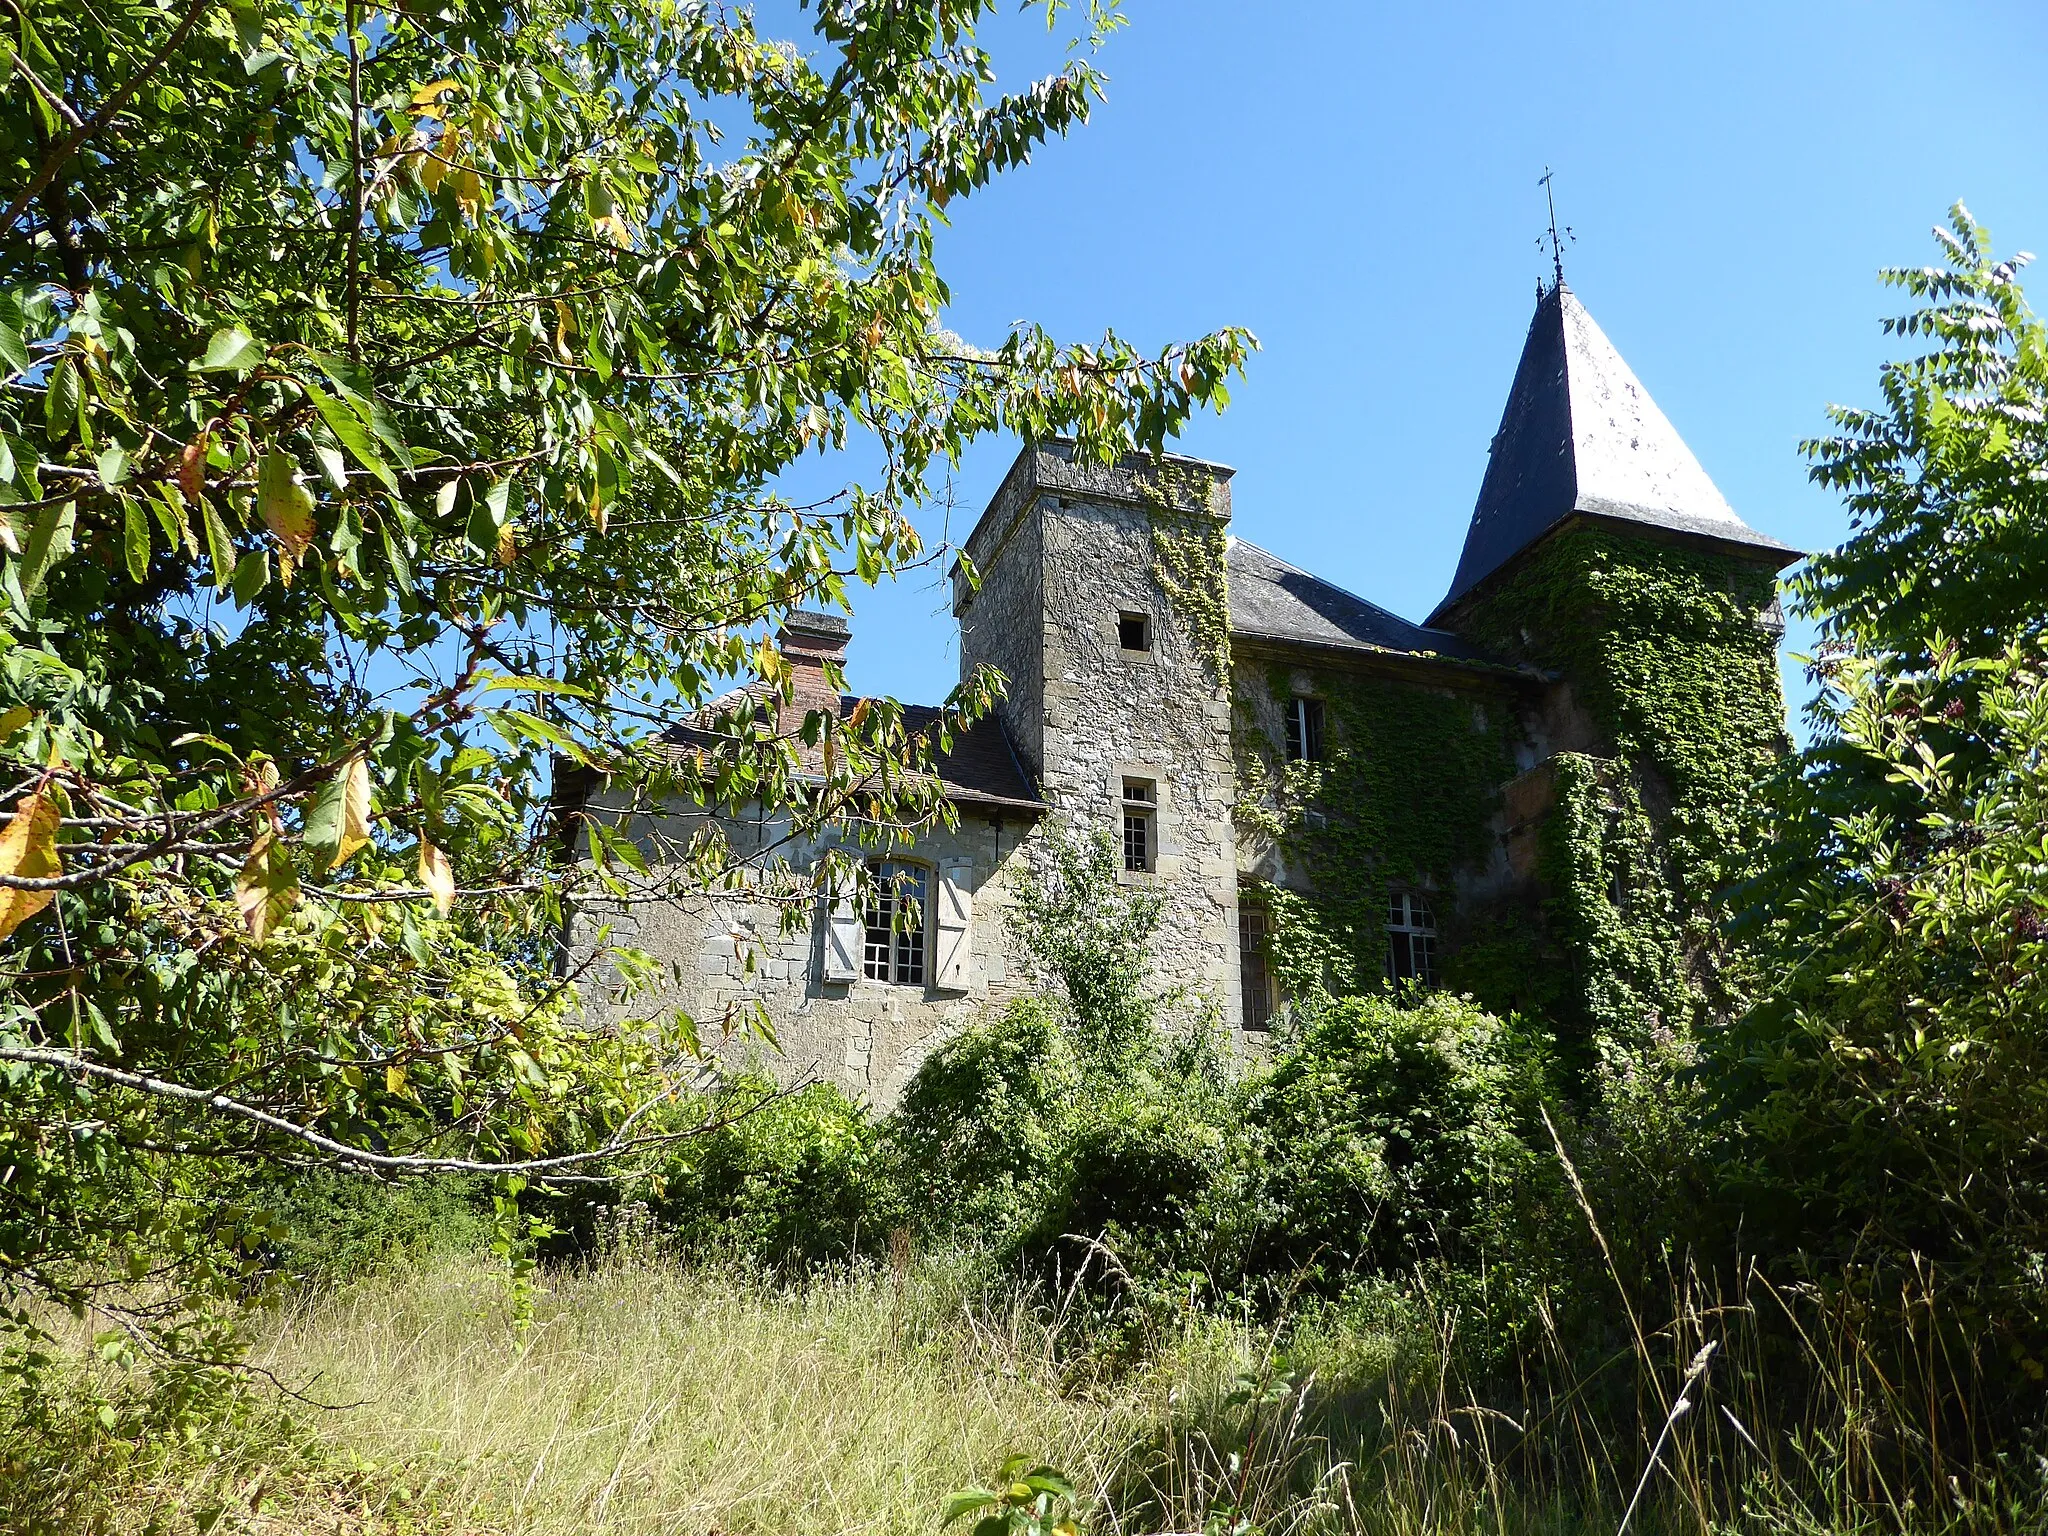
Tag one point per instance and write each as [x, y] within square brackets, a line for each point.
[395, 401]
[1948, 509]
[1885, 1093]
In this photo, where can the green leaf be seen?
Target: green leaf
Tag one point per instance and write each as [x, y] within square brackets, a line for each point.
[220, 545]
[252, 575]
[395, 547]
[49, 541]
[535, 685]
[965, 1501]
[349, 430]
[136, 542]
[232, 350]
[61, 399]
[13, 351]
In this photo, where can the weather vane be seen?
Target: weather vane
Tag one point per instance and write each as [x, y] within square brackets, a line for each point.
[1553, 239]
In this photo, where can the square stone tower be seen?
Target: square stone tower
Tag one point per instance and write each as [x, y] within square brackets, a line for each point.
[1101, 597]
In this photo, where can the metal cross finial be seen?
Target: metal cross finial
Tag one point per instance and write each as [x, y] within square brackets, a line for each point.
[1556, 244]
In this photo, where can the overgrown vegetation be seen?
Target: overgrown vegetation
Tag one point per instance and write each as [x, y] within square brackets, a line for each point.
[1740, 1229]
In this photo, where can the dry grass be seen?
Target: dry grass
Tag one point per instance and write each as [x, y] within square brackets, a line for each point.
[650, 1397]
[645, 1398]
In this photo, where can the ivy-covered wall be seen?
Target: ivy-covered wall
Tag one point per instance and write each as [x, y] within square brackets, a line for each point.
[1670, 653]
[1405, 796]
[1652, 696]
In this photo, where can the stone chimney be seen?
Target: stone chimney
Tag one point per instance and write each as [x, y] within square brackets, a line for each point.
[808, 640]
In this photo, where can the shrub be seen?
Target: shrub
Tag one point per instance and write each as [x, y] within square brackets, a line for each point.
[1391, 1131]
[983, 1124]
[788, 1178]
[335, 1226]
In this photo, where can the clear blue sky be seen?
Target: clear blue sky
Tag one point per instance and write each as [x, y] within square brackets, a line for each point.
[1357, 184]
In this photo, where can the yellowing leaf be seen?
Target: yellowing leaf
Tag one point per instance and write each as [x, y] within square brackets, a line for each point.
[28, 850]
[469, 191]
[438, 876]
[427, 99]
[268, 886]
[287, 508]
[339, 821]
[14, 720]
[192, 467]
[394, 1079]
[508, 544]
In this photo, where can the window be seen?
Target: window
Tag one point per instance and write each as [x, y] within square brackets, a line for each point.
[1140, 843]
[894, 950]
[1255, 982]
[1411, 938]
[1134, 631]
[1304, 730]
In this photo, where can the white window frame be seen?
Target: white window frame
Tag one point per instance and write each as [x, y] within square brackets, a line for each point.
[904, 957]
[1140, 807]
[1411, 938]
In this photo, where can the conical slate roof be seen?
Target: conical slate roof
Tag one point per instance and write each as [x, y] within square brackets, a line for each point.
[1582, 437]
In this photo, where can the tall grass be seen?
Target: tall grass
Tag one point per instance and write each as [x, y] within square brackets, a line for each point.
[647, 1396]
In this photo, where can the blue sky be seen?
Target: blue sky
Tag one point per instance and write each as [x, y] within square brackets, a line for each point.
[1357, 184]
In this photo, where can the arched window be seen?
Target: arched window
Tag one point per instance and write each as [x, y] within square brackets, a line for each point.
[1411, 938]
[895, 923]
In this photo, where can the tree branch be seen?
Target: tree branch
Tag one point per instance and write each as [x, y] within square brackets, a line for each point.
[140, 1082]
[70, 144]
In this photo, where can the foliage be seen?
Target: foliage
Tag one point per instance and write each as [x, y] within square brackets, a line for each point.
[1948, 511]
[334, 1226]
[1891, 1082]
[1393, 1131]
[395, 404]
[1084, 930]
[786, 1178]
[1670, 654]
[1026, 1500]
[1189, 542]
[1409, 780]
[982, 1124]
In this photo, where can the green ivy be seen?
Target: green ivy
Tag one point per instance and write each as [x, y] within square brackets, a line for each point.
[1188, 545]
[1405, 794]
[1667, 651]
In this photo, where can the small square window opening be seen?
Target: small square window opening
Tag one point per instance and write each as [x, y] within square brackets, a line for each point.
[1411, 938]
[1140, 840]
[1134, 631]
[1304, 730]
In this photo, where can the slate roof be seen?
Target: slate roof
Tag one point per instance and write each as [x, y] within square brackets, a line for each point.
[1581, 436]
[1270, 599]
[982, 769]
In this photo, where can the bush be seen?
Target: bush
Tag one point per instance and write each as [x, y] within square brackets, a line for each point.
[788, 1178]
[335, 1226]
[1392, 1131]
[982, 1127]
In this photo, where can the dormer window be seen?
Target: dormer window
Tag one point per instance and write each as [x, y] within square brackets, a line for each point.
[1141, 842]
[1304, 730]
[1134, 631]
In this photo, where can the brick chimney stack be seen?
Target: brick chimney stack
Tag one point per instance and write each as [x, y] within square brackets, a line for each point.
[808, 640]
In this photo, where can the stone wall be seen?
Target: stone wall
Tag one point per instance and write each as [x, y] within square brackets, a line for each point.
[1065, 549]
[723, 954]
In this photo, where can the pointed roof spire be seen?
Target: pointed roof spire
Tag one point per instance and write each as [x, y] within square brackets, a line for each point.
[1581, 438]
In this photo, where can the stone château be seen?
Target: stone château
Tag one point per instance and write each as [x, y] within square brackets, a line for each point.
[1522, 796]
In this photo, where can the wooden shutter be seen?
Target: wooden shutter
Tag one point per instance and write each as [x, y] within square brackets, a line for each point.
[842, 938]
[954, 926]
